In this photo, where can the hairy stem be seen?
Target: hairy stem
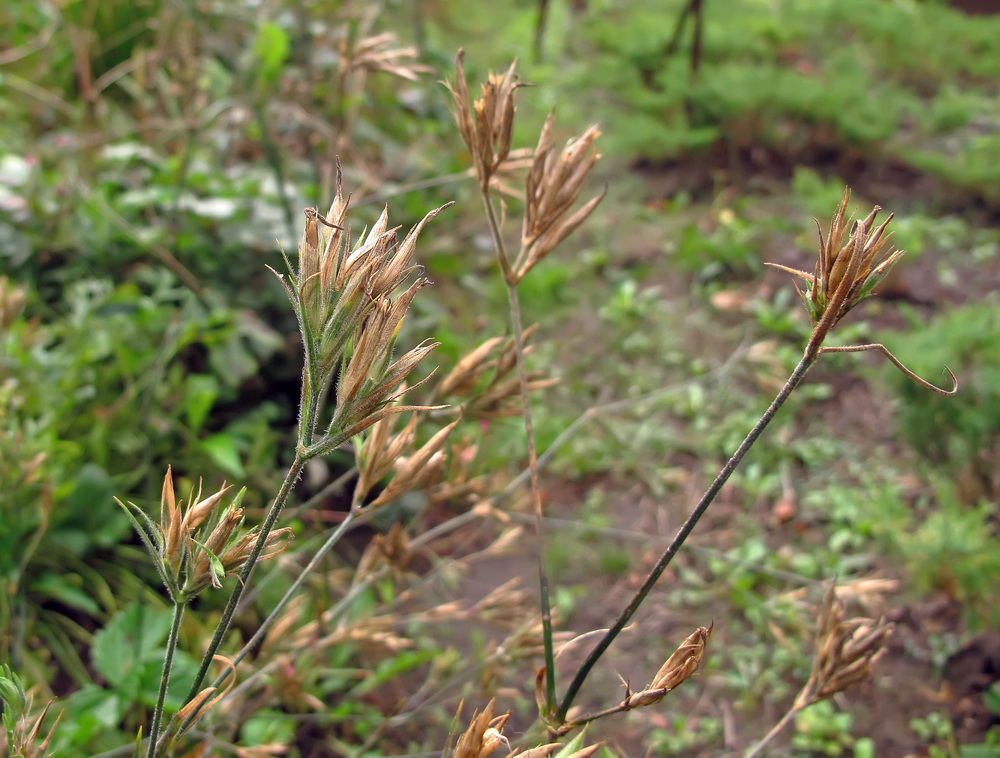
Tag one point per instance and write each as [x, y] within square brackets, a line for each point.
[168, 664]
[545, 601]
[808, 358]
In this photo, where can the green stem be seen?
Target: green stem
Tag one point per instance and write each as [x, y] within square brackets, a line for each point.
[545, 601]
[168, 663]
[227, 615]
[808, 358]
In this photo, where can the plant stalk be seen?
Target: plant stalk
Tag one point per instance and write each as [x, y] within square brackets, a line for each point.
[227, 615]
[332, 540]
[545, 602]
[775, 731]
[168, 663]
[804, 364]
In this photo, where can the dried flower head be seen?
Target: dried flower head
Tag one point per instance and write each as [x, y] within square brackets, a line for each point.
[853, 257]
[678, 668]
[846, 651]
[552, 187]
[484, 735]
[486, 127]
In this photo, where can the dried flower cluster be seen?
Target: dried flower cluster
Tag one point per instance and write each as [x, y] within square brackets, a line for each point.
[846, 273]
[486, 128]
[382, 453]
[499, 394]
[554, 180]
[554, 183]
[349, 315]
[379, 53]
[846, 652]
[198, 546]
[850, 264]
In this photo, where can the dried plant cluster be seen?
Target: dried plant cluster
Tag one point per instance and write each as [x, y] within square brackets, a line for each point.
[554, 181]
[349, 314]
[848, 268]
[846, 274]
[351, 295]
[198, 546]
[846, 652]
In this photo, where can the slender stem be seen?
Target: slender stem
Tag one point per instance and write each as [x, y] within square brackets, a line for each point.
[168, 663]
[332, 540]
[545, 601]
[775, 731]
[808, 358]
[227, 615]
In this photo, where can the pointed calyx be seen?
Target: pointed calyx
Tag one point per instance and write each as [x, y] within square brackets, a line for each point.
[854, 256]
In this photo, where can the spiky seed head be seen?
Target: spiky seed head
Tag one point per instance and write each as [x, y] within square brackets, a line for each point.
[846, 651]
[484, 734]
[854, 256]
[487, 127]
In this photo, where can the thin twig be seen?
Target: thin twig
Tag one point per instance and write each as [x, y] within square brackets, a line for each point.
[227, 615]
[775, 731]
[807, 360]
[545, 602]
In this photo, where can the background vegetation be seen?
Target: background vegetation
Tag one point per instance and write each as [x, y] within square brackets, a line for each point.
[152, 152]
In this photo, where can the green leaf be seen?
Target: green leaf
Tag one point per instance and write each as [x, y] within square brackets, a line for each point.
[267, 727]
[217, 569]
[991, 698]
[572, 746]
[271, 49]
[122, 647]
[221, 448]
[88, 708]
[200, 394]
[61, 588]
[393, 668]
[148, 674]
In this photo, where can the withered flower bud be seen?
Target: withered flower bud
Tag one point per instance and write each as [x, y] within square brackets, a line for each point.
[678, 667]
[484, 734]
